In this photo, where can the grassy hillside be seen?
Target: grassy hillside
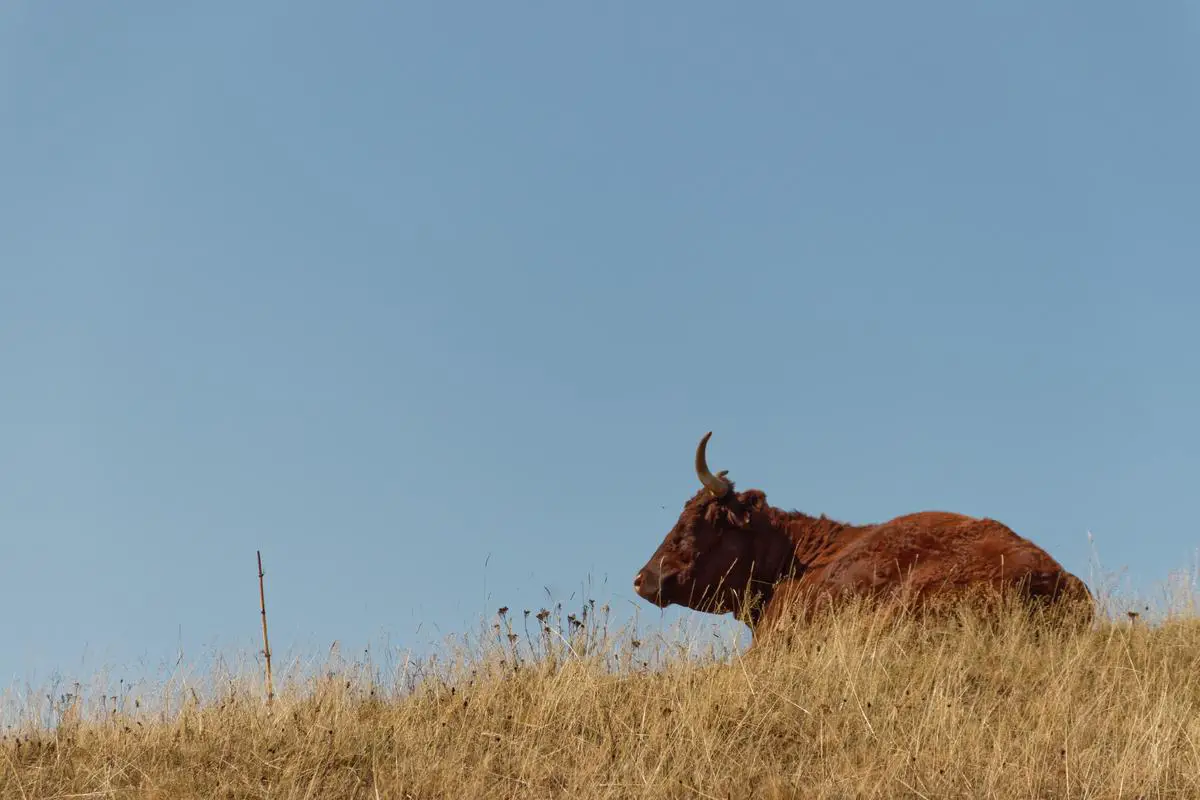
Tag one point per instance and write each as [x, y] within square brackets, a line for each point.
[863, 706]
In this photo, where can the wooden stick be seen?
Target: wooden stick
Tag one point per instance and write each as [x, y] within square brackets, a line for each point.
[262, 604]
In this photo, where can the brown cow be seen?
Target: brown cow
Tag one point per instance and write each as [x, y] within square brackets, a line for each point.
[731, 552]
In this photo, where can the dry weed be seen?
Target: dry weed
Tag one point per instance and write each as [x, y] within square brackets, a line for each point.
[861, 705]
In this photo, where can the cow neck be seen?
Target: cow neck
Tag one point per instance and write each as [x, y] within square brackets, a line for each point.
[809, 537]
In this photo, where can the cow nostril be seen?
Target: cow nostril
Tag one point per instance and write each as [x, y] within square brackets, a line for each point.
[637, 582]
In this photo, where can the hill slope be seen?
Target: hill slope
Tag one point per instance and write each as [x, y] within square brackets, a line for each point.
[861, 707]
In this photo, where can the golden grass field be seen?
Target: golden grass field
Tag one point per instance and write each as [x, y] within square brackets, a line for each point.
[863, 705]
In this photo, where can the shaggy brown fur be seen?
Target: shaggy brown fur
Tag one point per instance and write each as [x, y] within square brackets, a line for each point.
[738, 554]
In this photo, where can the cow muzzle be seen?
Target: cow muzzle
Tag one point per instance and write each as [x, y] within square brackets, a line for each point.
[649, 586]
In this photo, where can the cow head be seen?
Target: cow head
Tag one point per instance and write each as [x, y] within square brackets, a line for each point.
[705, 561]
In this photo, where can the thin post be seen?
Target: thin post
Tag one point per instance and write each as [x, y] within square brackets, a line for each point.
[262, 604]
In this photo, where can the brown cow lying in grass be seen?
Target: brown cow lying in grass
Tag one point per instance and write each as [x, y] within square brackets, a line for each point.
[732, 552]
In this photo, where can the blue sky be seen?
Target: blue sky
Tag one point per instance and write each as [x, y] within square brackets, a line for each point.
[432, 302]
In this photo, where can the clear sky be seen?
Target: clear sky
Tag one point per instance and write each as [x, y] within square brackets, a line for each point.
[431, 302]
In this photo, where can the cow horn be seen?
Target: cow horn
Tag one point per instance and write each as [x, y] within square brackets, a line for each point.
[714, 483]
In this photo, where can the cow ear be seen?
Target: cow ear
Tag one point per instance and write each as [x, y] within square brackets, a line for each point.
[754, 499]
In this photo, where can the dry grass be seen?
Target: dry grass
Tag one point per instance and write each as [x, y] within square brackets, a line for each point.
[862, 706]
